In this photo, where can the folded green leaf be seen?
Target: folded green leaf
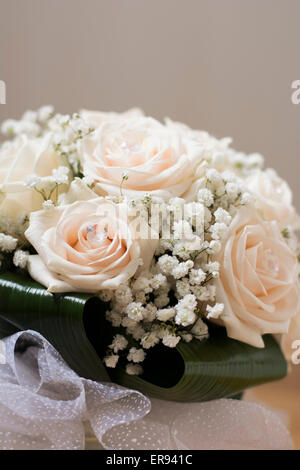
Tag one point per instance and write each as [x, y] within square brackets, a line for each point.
[76, 326]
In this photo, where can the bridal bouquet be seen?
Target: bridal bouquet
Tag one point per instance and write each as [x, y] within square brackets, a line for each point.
[148, 254]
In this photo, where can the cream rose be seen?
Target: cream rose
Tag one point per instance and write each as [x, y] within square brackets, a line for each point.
[20, 158]
[258, 279]
[273, 198]
[98, 117]
[153, 158]
[85, 246]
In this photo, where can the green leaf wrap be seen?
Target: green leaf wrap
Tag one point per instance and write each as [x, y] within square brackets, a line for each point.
[76, 326]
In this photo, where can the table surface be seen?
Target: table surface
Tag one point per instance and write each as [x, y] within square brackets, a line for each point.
[283, 395]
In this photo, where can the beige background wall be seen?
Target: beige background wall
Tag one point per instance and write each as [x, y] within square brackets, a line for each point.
[222, 65]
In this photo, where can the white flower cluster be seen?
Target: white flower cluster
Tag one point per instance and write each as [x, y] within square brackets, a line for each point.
[48, 185]
[172, 301]
[219, 155]
[68, 131]
[20, 258]
[174, 297]
[32, 123]
[7, 243]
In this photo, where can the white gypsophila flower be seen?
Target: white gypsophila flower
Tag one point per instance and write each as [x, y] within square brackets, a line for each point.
[115, 199]
[204, 293]
[150, 312]
[111, 361]
[239, 161]
[232, 191]
[200, 330]
[32, 180]
[222, 216]
[220, 194]
[119, 343]
[14, 226]
[20, 258]
[218, 159]
[185, 310]
[167, 263]
[197, 276]
[30, 116]
[137, 332]
[160, 330]
[194, 211]
[218, 230]
[161, 300]
[135, 311]
[158, 281]
[140, 296]
[201, 293]
[105, 295]
[187, 337]
[214, 311]
[123, 295]
[48, 204]
[46, 183]
[149, 340]
[165, 245]
[136, 355]
[214, 177]
[180, 271]
[44, 113]
[31, 129]
[183, 249]
[212, 267]
[206, 197]
[61, 175]
[9, 127]
[141, 283]
[212, 292]
[134, 369]
[165, 314]
[129, 323]
[183, 287]
[214, 247]
[114, 318]
[182, 230]
[255, 160]
[207, 217]
[171, 341]
[189, 264]
[7, 243]
[63, 119]
[177, 202]
[228, 176]
[246, 199]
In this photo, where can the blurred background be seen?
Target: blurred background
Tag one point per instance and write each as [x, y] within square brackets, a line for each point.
[226, 66]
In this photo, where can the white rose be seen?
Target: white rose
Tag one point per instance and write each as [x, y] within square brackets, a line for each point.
[18, 159]
[153, 158]
[99, 117]
[85, 246]
[273, 198]
[258, 281]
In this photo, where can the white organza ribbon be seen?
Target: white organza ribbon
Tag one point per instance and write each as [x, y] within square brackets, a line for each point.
[45, 405]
